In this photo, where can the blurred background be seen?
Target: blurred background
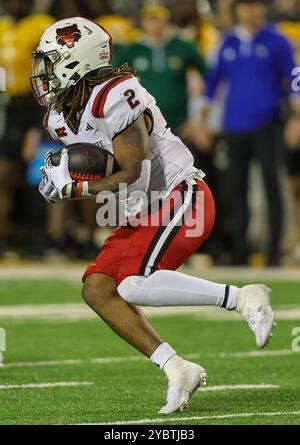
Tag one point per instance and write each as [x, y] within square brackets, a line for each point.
[252, 165]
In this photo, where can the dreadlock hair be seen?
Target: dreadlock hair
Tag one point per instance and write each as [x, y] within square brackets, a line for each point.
[73, 99]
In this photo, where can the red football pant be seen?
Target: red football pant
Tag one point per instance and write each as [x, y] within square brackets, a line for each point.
[157, 244]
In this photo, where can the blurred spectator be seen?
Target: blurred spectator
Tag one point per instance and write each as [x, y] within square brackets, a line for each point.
[256, 61]
[92, 9]
[54, 243]
[194, 19]
[173, 69]
[121, 29]
[224, 14]
[162, 59]
[286, 14]
[19, 35]
[60, 9]
[285, 11]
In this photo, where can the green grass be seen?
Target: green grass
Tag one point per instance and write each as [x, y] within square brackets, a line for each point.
[37, 291]
[136, 390]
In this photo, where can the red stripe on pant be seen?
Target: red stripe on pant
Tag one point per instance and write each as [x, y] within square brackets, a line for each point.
[125, 249]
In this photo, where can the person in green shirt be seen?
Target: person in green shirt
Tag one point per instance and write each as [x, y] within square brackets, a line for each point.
[162, 60]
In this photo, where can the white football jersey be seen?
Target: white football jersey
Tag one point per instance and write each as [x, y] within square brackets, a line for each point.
[112, 107]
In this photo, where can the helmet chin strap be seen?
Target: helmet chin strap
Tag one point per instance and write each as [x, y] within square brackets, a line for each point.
[71, 83]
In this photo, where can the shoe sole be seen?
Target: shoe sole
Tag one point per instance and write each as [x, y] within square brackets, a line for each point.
[202, 382]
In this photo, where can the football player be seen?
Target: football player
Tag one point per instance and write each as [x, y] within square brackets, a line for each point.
[91, 101]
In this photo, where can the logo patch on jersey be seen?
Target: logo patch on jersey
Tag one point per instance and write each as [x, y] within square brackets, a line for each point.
[61, 132]
[230, 54]
[262, 51]
[89, 127]
[100, 144]
[68, 35]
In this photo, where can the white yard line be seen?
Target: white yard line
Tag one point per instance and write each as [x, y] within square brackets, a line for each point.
[73, 272]
[64, 311]
[236, 387]
[138, 358]
[72, 362]
[79, 311]
[84, 383]
[46, 385]
[167, 419]
[42, 271]
[245, 354]
[43, 363]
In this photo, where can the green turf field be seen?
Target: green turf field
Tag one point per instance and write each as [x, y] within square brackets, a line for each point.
[117, 385]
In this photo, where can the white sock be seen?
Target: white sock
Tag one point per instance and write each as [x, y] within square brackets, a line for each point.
[162, 354]
[169, 288]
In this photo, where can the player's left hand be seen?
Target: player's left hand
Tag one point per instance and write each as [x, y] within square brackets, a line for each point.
[47, 189]
[60, 175]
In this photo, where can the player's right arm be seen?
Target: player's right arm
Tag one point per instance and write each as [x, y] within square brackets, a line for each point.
[132, 152]
[121, 111]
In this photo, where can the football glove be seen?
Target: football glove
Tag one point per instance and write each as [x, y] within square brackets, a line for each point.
[47, 189]
[58, 175]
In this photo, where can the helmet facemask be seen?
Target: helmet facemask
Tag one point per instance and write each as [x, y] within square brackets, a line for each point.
[44, 83]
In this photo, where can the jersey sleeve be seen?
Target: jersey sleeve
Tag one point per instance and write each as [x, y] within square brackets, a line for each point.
[120, 103]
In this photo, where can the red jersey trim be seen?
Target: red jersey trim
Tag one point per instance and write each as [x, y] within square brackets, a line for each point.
[99, 102]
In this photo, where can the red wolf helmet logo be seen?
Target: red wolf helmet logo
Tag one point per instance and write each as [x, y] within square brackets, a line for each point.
[68, 35]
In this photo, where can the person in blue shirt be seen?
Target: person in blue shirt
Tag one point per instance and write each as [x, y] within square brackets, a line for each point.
[255, 63]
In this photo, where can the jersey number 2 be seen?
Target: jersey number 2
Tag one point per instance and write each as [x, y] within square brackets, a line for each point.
[133, 103]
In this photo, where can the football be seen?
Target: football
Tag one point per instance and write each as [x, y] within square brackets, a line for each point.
[88, 162]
